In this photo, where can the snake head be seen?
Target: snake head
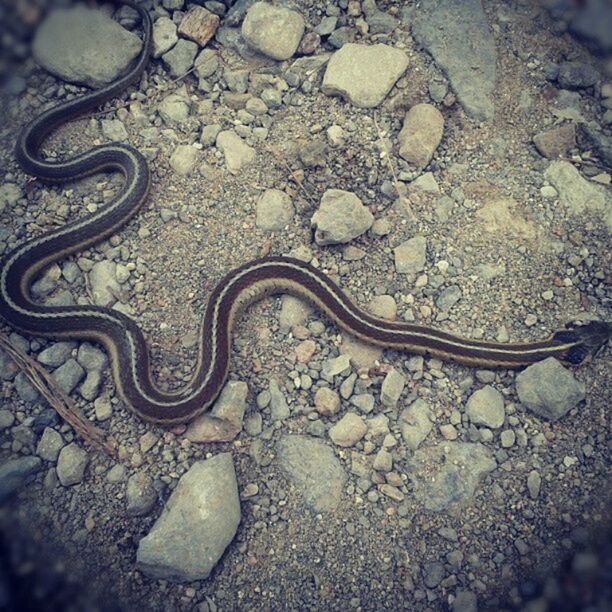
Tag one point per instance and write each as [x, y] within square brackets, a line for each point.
[589, 340]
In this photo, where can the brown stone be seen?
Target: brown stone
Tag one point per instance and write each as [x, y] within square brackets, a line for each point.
[421, 134]
[556, 142]
[199, 25]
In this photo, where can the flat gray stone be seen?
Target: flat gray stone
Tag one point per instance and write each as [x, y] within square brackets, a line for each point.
[421, 134]
[238, 154]
[579, 195]
[181, 57]
[549, 389]
[348, 430]
[314, 470]
[197, 524]
[446, 476]
[140, 494]
[410, 256]
[364, 74]
[84, 46]
[457, 35]
[164, 36]
[50, 445]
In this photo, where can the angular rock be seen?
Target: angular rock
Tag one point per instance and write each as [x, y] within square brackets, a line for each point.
[69, 375]
[56, 354]
[103, 281]
[421, 134]
[50, 445]
[340, 218]
[364, 74]
[457, 35]
[416, 421]
[180, 58]
[274, 31]
[71, 464]
[446, 476]
[199, 25]
[556, 142]
[577, 75]
[314, 470]
[164, 36]
[84, 46]
[15, 473]
[549, 389]
[486, 407]
[327, 401]
[279, 409]
[392, 388]
[410, 256]
[197, 524]
[237, 153]
[224, 422]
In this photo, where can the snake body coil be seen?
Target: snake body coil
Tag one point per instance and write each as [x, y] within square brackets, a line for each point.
[124, 340]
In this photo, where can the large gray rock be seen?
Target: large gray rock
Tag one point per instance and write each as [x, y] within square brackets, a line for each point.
[71, 464]
[364, 74]
[446, 476]
[199, 521]
[314, 470]
[84, 46]
[457, 35]
[15, 473]
[548, 389]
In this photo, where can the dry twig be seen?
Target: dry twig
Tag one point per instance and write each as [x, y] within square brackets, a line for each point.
[57, 398]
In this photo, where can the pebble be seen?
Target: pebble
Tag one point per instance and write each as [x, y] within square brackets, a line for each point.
[364, 74]
[348, 430]
[486, 407]
[97, 51]
[206, 63]
[237, 153]
[71, 464]
[341, 216]
[410, 256]
[199, 25]
[416, 421]
[164, 36]
[167, 550]
[15, 473]
[465, 601]
[433, 573]
[103, 408]
[180, 58]
[50, 445]
[103, 282]
[556, 142]
[116, 473]
[274, 210]
[364, 402]
[314, 470]
[91, 357]
[548, 389]
[25, 390]
[421, 134]
[224, 422]
[174, 108]
[383, 462]
[184, 159]
[69, 375]
[114, 130]
[392, 388]
[327, 401]
[534, 482]
[140, 494]
[274, 31]
[335, 366]
[577, 75]
[56, 354]
[209, 134]
[507, 438]
[294, 311]
[9, 195]
[7, 418]
[279, 409]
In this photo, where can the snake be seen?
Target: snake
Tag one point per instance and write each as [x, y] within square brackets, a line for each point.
[123, 339]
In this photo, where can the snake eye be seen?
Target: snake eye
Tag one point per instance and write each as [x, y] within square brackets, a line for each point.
[576, 354]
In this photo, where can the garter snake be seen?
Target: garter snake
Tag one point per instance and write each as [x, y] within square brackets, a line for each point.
[124, 340]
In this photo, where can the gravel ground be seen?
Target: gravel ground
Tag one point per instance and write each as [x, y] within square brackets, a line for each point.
[520, 523]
